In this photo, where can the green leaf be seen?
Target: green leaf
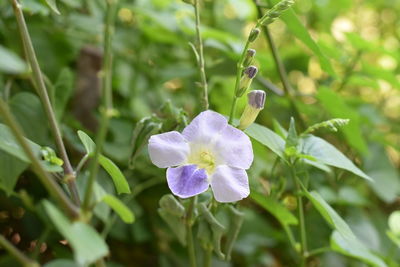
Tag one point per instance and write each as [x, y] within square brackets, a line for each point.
[10, 63]
[63, 90]
[343, 239]
[27, 109]
[10, 169]
[327, 154]
[87, 142]
[336, 107]
[53, 6]
[86, 243]
[268, 138]
[9, 144]
[120, 208]
[297, 28]
[117, 176]
[355, 249]
[282, 214]
[291, 139]
[61, 263]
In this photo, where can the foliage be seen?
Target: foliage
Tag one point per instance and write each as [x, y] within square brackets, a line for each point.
[325, 184]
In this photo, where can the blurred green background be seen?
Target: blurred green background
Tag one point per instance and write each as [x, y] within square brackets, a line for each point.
[342, 60]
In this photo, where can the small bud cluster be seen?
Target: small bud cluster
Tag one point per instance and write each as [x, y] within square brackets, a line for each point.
[276, 11]
[332, 125]
[245, 82]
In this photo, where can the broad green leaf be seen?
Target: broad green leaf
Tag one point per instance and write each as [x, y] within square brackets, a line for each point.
[87, 142]
[336, 106]
[386, 179]
[327, 154]
[9, 145]
[10, 63]
[120, 208]
[343, 239]
[10, 169]
[53, 6]
[283, 215]
[117, 176]
[394, 222]
[63, 90]
[268, 138]
[291, 139]
[355, 249]
[297, 28]
[86, 243]
[27, 109]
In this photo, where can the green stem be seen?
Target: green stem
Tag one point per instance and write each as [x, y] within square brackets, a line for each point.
[318, 251]
[136, 191]
[233, 109]
[107, 113]
[204, 84]
[302, 225]
[42, 92]
[17, 254]
[49, 183]
[189, 233]
[349, 70]
[208, 258]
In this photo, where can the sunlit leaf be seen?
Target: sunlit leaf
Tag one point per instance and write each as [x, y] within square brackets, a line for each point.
[327, 154]
[10, 63]
[87, 142]
[53, 6]
[117, 176]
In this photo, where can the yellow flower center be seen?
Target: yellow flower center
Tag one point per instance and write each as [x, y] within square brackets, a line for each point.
[203, 158]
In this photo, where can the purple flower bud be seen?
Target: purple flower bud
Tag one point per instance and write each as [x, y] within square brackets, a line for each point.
[249, 57]
[251, 72]
[256, 99]
[248, 75]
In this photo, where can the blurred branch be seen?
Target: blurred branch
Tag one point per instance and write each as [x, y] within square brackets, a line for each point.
[349, 70]
[108, 111]
[43, 94]
[52, 187]
[287, 88]
[200, 58]
[17, 254]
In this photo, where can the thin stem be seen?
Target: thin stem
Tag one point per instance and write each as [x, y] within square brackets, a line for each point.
[189, 233]
[204, 84]
[318, 251]
[107, 113]
[302, 226]
[52, 187]
[17, 254]
[81, 163]
[136, 191]
[349, 70]
[42, 92]
[207, 258]
[233, 109]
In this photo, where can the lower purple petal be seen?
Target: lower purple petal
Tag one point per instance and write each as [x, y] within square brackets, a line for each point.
[187, 181]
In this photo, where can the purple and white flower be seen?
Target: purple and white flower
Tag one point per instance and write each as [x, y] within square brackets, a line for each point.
[209, 151]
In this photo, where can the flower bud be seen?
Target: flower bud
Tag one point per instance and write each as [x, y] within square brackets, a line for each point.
[248, 75]
[249, 57]
[254, 34]
[256, 101]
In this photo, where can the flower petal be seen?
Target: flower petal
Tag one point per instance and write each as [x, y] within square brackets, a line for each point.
[229, 184]
[234, 148]
[206, 126]
[187, 181]
[168, 149]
